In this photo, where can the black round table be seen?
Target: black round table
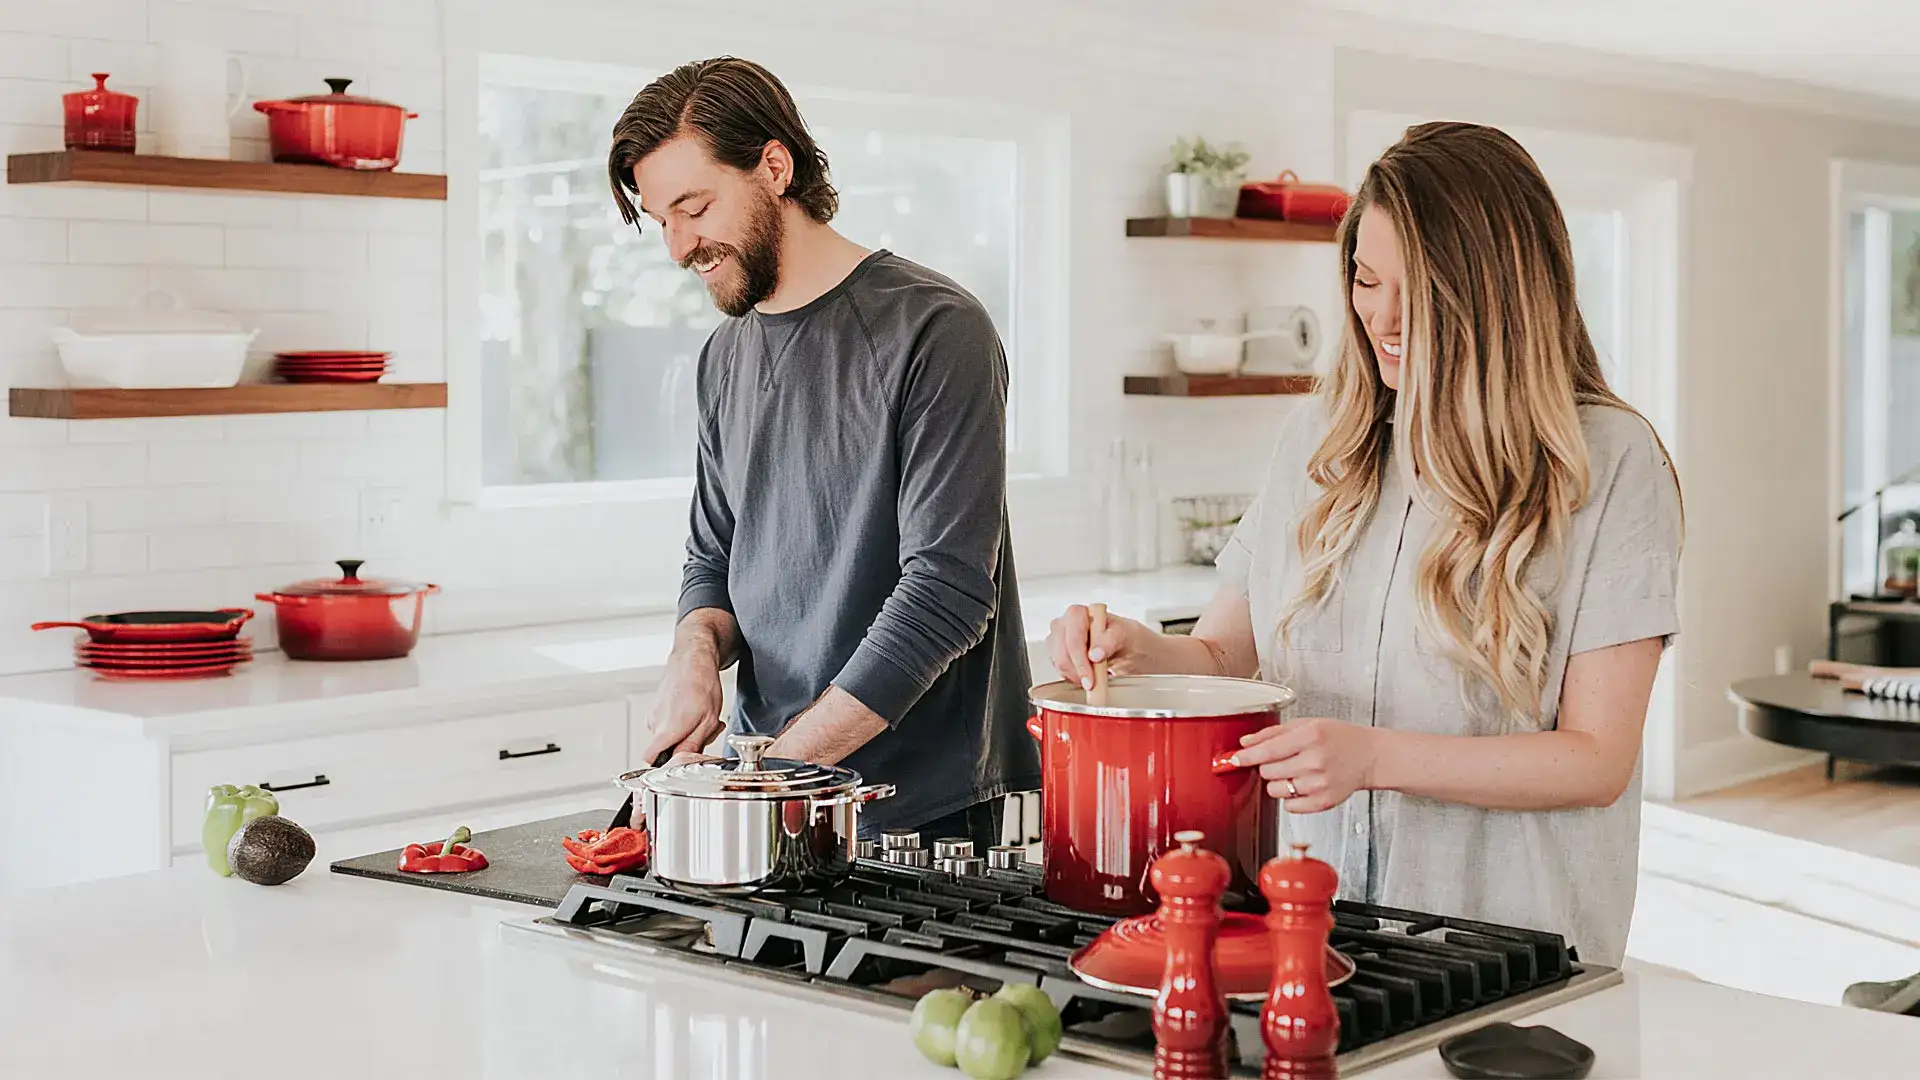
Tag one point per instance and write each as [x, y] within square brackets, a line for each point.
[1817, 714]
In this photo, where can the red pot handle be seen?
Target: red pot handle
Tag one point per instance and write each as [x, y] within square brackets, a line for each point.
[1223, 763]
[271, 598]
[1033, 724]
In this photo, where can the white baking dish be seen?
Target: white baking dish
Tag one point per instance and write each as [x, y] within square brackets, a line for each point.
[148, 346]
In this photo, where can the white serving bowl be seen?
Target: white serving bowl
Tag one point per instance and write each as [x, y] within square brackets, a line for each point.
[148, 347]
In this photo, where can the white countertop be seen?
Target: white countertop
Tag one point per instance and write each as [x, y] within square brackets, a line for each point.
[178, 973]
[607, 656]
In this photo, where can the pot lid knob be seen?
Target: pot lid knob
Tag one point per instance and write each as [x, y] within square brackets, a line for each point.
[350, 570]
[751, 749]
[339, 86]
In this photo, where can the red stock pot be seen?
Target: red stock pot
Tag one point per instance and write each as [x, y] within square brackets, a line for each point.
[348, 618]
[1119, 780]
[339, 129]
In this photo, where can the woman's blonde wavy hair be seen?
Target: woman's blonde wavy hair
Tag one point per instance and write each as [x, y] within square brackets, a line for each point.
[1497, 362]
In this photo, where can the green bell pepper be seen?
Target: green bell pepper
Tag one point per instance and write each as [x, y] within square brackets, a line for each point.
[228, 808]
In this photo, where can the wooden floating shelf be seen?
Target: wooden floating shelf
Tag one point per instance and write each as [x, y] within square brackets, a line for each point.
[1218, 385]
[1233, 229]
[91, 404]
[106, 167]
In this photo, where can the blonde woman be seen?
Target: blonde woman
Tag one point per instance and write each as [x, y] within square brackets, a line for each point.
[1463, 559]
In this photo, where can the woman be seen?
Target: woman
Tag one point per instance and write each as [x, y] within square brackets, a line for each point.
[1463, 559]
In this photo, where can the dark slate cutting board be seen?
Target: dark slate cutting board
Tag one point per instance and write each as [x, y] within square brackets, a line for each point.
[525, 863]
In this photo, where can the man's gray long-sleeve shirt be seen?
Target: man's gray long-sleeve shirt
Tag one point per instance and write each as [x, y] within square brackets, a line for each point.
[850, 511]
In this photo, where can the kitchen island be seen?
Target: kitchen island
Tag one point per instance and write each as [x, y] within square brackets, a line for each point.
[178, 973]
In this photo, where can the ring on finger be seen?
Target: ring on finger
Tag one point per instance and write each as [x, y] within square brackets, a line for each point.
[1292, 791]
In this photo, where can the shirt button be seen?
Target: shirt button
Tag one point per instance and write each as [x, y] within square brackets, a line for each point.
[1360, 828]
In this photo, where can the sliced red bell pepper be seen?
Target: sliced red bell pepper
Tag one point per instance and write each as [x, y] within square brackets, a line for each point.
[611, 852]
[451, 857]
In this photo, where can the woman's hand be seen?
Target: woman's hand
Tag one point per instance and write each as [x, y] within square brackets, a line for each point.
[1074, 651]
[1312, 764]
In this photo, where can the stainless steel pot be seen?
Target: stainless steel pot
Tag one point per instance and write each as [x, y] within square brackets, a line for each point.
[753, 824]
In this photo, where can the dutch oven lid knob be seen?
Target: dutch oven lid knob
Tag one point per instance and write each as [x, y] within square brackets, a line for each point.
[350, 568]
[751, 749]
[339, 86]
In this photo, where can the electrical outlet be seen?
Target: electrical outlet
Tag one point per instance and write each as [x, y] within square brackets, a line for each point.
[383, 519]
[66, 536]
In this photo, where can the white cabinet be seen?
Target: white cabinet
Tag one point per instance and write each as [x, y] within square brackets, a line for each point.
[333, 780]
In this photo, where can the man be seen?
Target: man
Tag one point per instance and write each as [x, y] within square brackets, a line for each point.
[849, 544]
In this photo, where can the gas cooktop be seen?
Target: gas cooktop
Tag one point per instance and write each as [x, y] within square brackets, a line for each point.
[890, 933]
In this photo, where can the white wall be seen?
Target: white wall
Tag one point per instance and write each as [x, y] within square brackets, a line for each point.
[208, 511]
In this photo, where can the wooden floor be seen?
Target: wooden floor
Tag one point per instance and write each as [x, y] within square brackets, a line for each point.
[1864, 810]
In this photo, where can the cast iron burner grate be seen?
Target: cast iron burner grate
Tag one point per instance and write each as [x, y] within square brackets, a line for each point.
[892, 933]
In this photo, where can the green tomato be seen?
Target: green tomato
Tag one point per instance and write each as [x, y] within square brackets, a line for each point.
[936, 1023]
[1043, 1020]
[992, 1043]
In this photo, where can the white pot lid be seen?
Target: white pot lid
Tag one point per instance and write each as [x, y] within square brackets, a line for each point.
[155, 311]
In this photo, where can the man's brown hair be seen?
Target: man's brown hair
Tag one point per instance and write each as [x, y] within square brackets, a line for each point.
[735, 108]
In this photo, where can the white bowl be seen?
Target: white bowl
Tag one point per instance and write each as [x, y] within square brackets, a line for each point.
[150, 361]
[1208, 354]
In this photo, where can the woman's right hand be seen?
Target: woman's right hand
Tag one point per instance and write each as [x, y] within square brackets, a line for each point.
[1075, 649]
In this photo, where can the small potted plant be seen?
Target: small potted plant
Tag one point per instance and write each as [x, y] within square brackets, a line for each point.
[1198, 176]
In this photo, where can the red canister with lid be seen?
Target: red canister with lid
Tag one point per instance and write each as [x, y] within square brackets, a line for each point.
[100, 119]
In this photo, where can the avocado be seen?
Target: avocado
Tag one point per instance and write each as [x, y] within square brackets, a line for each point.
[270, 850]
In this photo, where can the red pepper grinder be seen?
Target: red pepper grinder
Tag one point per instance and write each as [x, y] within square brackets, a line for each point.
[1299, 1024]
[1190, 1013]
[100, 119]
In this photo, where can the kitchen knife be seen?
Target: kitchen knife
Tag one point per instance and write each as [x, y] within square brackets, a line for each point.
[623, 817]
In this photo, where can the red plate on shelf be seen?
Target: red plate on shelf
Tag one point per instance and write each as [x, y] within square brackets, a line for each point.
[327, 355]
[333, 376]
[1130, 956]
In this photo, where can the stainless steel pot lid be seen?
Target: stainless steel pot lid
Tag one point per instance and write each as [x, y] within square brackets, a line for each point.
[1166, 697]
[750, 776]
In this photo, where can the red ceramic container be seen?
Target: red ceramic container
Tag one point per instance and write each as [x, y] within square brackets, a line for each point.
[1119, 780]
[349, 618]
[100, 119]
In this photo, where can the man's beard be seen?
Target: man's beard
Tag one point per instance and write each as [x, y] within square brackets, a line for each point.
[755, 272]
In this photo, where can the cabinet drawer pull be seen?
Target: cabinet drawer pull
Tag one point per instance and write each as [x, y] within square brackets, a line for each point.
[319, 780]
[508, 755]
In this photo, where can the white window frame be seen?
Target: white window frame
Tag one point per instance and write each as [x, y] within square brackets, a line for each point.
[1038, 346]
[1646, 182]
[1855, 186]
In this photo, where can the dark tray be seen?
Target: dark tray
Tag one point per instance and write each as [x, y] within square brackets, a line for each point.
[525, 863]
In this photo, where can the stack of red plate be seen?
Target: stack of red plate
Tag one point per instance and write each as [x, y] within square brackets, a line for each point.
[163, 661]
[161, 644]
[330, 366]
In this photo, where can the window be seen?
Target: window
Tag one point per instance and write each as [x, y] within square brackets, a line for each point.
[590, 334]
[1599, 238]
[1880, 468]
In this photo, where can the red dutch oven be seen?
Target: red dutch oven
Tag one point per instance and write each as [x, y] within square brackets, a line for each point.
[1119, 780]
[339, 129]
[349, 618]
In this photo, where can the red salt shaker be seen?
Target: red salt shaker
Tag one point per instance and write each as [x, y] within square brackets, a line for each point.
[1190, 1014]
[100, 119]
[1299, 1024]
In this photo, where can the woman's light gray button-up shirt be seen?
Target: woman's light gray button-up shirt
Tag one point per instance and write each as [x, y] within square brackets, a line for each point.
[1361, 658]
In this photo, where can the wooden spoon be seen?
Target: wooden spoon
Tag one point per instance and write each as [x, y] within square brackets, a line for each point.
[1096, 626]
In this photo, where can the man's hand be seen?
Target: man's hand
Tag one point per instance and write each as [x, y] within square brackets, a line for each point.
[686, 715]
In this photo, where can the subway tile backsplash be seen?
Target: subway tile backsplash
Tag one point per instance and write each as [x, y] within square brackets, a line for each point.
[201, 511]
